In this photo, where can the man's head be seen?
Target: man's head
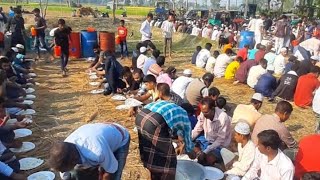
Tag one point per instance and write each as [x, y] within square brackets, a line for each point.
[156, 53]
[239, 59]
[163, 90]
[187, 72]
[208, 46]
[138, 46]
[149, 17]
[263, 63]
[198, 48]
[229, 52]
[213, 93]
[284, 17]
[36, 11]
[247, 46]
[207, 79]
[63, 156]
[283, 51]
[20, 47]
[221, 102]
[283, 110]
[315, 70]
[242, 132]
[161, 60]
[170, 18]
[257, 100]
[268, 142]
[207, 108]
[189, 108]
[61, 23]
[262, 48]
[293, 59]
[171, 71]
[96, 49]
[4, 63]
[215, 54]
[263, 16]
[18, 12]
[121, 22]
[150, 82]
[314, 59]
[258, 46]
[143, 50]
[137, 75]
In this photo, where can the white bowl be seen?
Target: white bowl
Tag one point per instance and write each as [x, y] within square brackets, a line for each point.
[20, 133]
[212, 173]
[189, 170]
[42, 175]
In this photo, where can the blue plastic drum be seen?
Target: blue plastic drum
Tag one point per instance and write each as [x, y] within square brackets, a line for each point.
[88, 40]
[246, 37]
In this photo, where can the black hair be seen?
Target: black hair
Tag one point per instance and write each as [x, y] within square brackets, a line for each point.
[263, 63]
[292, 58]
[198, 48]
[247, 45]
[315, 69]
[150, 15]
[296, 65]
[208, 46]
[270, 138]
[229, 51]
[189, 108]
[221, 102]
[161, 60]
[164, 88]
[216, 54]
[258, 46]
[239, 59]
[122, 21]
[37, 10]
[61, 155]
[138, 46]
[3, 59]
[254, 101]
[209, 102]
[284, 107]
[150, 78]
[61, 21]
[311, 176]
[137, 71]
[17, 11]
[171, 69]
[208, 77]
[213, 91]
[156, 53]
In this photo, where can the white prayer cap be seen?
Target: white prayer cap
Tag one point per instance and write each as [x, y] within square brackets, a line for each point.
[242, 128]
[20, 46]
[273, 49]
[187, 72]
[215, 27]
[15, 49]
[316, 58]
[245, 24]
[143, 49]
[235, 32]
[283, 49]
[258, 97]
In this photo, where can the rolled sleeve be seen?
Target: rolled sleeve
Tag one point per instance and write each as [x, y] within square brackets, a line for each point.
[5, 169]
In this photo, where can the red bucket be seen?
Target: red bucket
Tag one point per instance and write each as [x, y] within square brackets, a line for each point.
[57, 51]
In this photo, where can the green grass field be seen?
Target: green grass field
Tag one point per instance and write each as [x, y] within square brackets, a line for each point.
[63, 8]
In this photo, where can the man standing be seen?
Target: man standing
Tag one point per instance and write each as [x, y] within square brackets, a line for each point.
[258, 31]
[3, 22]
[40, 27]
[167, 31]
[16, 27]
[146, 33]
[281, 30]
[91, 150]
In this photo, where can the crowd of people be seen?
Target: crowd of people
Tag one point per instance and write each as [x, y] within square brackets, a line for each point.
[185, 110]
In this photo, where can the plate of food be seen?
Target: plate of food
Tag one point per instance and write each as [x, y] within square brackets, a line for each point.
[27, 112]
[33, 75]
[12, 121]
[29, 90]
[30, 163]
[132, 102]
[26, 146]
[28, 102]
[92, 73]
[118, 97]
[123, 107]
[94, 83]
[27, 120]
[93, 77]
[42, 175]
[97, 91]
[29, 59]
[30, 97]
[20, 133]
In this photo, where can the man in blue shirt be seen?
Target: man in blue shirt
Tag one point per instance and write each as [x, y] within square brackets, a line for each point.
[92, 146]
[266, 84]
[151, 60]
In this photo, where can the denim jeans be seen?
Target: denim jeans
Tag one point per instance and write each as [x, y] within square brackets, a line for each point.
[39, 41]
[204, 144]
[124, 48]
[64, 60]
[121, 155]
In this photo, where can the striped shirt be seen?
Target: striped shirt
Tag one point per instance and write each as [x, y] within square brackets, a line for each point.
[176, 118]
[273, 122]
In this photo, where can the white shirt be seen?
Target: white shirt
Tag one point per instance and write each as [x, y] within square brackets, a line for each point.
[145, 31]
[258, 25]
[270, 57]
[252, 25]
[312, 45]
[254, 75]
[210, 64]
[141, 60]
[202, 57]
[167, 29]
[195, 31]
[316, 102]
[221, 64]
[179, 86]
[214, 35]
[298, 55]
[204, 32]
[246, 157]
[280, 168]
[279, 64]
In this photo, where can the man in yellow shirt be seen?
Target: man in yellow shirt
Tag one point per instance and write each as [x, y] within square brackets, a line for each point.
[232, 68]
[227, 46]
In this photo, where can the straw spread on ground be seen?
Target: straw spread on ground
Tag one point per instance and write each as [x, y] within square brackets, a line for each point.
[64, 104]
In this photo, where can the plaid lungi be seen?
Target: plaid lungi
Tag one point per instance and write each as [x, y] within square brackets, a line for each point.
[155, 143]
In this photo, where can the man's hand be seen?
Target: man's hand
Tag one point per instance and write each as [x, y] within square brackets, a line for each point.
[21, 124]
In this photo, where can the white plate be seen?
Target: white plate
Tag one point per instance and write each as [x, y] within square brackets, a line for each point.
[20, 133]
[28, 102]
[29, 90]
[175, 145]
[189, 170]
[30, 60]
[33, 75]
[27, 112]
[132, 102]
[26, 146]
[12, 121]
[30, 84]
[97, 91]
[94, 83]
[123, 107]
[93, 77]
[27, 120]
[92, 73]
[30, 97]
[118, 97]
[212, 173]
[30, 163]
[42, 175]
[227, 155]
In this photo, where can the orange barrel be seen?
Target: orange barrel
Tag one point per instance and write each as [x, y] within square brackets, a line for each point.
[33, 31]
[57, 51]
[107, 41]
[74, 45]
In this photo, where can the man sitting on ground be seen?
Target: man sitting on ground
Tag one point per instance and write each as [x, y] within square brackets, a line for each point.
[165, 94]
[266, 84]
[179, 85]
[233, 67]
[256, 72]
[203, 56]
[142, 57]
[222, 62]
[243, 71]
[151, 60]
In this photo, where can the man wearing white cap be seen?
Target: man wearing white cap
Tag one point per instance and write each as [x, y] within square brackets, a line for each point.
[279, 62]
[215, 33]
[142, 57]
[246, 150]
[270, 57]
[179, 86]
[248, 112]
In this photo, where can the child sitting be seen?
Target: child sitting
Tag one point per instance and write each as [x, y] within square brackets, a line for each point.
[232, 68]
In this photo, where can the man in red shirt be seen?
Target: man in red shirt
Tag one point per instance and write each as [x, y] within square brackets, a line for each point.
[308, 156]
[244, 52]
[260, 54]
[307, 84]
[122, 34]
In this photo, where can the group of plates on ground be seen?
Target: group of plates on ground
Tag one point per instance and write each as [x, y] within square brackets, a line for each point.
[29, 163]
[93, 76]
